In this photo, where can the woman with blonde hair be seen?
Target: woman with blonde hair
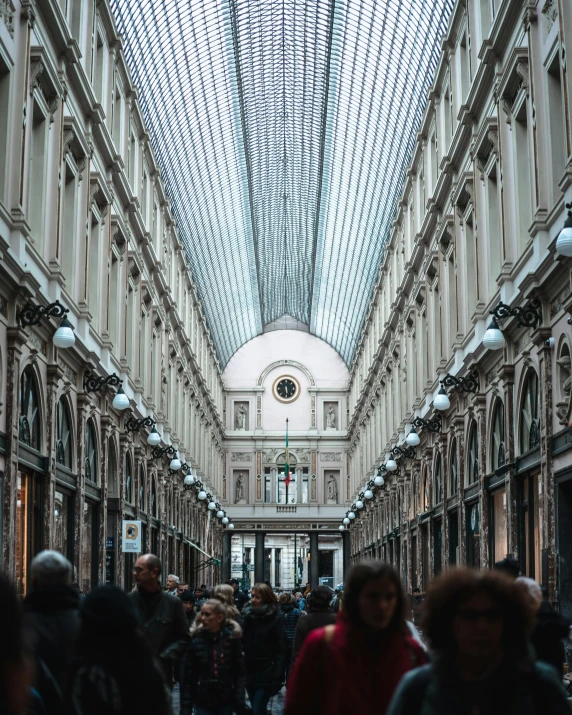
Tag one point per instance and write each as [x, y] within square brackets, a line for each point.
[264, 647]
[225, 594]
[213, 676]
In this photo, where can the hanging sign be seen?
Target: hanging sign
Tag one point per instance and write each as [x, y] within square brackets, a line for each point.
[131, 536]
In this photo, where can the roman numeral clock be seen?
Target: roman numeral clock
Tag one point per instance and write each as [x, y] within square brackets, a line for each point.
[286, 388]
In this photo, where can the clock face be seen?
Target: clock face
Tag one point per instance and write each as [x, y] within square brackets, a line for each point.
[286, 389]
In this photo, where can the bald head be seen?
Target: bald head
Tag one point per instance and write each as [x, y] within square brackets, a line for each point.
[147, 572]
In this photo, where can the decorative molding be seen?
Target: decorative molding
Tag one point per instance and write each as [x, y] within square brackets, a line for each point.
[241, 456]
[289, 363]
[331, 456]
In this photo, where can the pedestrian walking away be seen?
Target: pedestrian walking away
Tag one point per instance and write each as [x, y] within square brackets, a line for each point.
[356, 664]
[292, 614]
[264, 647]
[163, 620]
[213, 674]
[51, 619]
[114, 671]
[318, 616]
[478, 625]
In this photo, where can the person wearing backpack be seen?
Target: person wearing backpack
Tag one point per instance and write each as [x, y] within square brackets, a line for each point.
[356, 664]
[478, 625]
[291, 613]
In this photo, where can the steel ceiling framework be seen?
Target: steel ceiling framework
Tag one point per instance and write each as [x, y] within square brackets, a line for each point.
[283, 129]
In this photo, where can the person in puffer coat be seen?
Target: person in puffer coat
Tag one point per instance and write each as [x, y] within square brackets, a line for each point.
[212, 673]
[291, 613]
[264, 647]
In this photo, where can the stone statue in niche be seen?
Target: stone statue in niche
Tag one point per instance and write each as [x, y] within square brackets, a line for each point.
[331, 418]
[240, 418]
[239, 495]
[332, 489]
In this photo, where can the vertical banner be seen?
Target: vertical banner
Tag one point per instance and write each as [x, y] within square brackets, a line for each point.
[131, 536]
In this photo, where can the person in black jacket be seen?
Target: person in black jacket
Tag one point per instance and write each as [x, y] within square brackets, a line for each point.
[213, 675]
[318, 616]
[162, 617]
[240, 598]
[114, 671]
[52, 624]
[291, 614]
[264, 647]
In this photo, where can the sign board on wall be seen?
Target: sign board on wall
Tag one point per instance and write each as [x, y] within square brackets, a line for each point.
[131, 536]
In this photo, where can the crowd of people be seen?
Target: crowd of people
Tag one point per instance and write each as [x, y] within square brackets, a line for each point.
[491, 644]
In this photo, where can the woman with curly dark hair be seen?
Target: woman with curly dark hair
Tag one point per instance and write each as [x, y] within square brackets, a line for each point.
[355, 665]
[478, 625]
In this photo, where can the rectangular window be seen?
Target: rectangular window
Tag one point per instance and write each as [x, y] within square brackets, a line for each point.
[555, 117]
[69, 232]
[493, 227]
[93, 274]
[522, 174]
[267, 485]
[38, 163]
[4, 122]
[305, 486]
[114, 306]
[99, 60]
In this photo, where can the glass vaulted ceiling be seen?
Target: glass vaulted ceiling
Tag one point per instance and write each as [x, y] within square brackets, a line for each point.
[283, 129]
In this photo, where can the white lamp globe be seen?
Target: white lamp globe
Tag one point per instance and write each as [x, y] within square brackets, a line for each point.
[341, 527]
[64, 336]
[442, 401]
[564, 240]
[351, 515]
[379, 481]
[211, 506]
[220, 513]
[368, 494]
[231, 525]
[202, 495]
[391, 465]
[346, 520]
[493, 339]
[175, 464]
[154, 438]
[412, 438]
[120, 401]
[189, 480]
[225, 519]
[359, 504]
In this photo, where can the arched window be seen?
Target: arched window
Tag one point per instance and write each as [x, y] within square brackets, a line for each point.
[529, 414]
[425, 490]
[473, 455]
[63, 436]
[29, 431]
[153, 509]
[141, 488]
[438, 481]
[453, 470]
[498, 446]
[91, 471]
[128, 480]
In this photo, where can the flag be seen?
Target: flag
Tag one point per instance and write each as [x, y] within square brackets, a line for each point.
[287, 460]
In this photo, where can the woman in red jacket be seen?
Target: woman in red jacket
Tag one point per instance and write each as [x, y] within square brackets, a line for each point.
[356, 665]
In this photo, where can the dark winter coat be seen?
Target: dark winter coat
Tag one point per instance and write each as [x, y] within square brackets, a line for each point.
[52, 625]
[308, 623]
[264, 641]
[507, 691]
[291, 615]
[240, 599]
[164, 625]
[213, 673]
[548, 634]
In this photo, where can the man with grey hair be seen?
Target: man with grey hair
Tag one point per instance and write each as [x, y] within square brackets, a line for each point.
[52, 624]
[172, 584]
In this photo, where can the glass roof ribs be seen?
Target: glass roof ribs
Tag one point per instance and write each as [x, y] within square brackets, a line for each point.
[282, 59]
[383, 60]
[181, 58]
[283, 129]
